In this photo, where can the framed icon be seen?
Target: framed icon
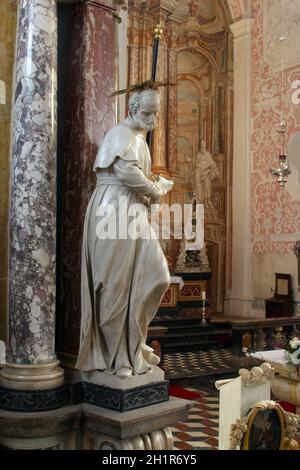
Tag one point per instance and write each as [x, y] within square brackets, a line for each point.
[265, 428]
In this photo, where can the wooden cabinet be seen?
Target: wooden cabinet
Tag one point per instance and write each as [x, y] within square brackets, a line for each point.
[281, 304]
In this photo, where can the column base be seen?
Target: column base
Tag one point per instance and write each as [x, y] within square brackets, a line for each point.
[32, 376]
[32, 387]
[239, 307]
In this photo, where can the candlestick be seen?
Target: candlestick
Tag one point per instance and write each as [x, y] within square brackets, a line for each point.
[203, 320]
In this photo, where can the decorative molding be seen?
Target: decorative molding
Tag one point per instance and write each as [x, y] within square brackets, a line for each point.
[126, 400]
[32, 400]
[237, 432]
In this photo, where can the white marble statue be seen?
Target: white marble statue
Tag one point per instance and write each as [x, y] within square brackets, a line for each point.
[123, 279]
[205, 172]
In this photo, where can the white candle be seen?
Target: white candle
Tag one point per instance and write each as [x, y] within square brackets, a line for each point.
[203, 295]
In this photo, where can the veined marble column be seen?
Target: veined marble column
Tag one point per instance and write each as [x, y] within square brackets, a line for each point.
[31, 361]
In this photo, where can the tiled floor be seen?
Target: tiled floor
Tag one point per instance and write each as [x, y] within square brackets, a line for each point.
[201, 430]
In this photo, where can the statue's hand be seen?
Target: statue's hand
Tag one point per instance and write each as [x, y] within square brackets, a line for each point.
[165, 185]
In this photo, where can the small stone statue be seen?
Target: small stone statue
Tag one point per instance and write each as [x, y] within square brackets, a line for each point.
[205, 172]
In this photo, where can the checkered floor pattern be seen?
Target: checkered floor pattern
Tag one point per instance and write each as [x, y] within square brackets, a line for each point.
[200, 432]
[199, 363]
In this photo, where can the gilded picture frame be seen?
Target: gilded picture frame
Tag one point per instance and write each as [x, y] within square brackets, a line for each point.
[265, 428]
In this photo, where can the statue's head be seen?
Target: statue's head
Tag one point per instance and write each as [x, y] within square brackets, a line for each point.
[202, 145]
[144, 108]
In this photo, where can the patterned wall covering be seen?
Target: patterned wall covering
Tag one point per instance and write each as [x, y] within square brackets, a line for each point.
[8, 13]
[275, 213]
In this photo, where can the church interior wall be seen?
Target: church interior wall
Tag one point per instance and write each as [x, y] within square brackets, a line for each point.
[275, 212]
[197, 51]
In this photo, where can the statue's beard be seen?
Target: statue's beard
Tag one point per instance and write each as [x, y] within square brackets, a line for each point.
[147, 124]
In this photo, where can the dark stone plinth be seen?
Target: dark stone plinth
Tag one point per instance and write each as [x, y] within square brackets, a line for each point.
[75, 393]
[33, 400]
[86, 418]
[125, 400]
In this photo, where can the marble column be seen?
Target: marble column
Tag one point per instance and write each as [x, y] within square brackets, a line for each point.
[90, 113]
[31, 361]
[239, 300]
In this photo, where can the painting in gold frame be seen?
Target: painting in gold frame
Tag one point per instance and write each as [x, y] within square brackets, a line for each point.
[266, 428]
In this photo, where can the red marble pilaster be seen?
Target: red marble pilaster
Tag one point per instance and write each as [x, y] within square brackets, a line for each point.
[90, 114]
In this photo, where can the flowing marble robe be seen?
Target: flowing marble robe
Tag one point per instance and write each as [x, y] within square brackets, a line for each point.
[123, 281]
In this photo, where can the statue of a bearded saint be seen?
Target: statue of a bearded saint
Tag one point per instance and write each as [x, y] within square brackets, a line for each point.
[125, 277]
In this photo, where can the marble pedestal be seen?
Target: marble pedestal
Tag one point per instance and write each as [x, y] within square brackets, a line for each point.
[84, 426]
[115, 393]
